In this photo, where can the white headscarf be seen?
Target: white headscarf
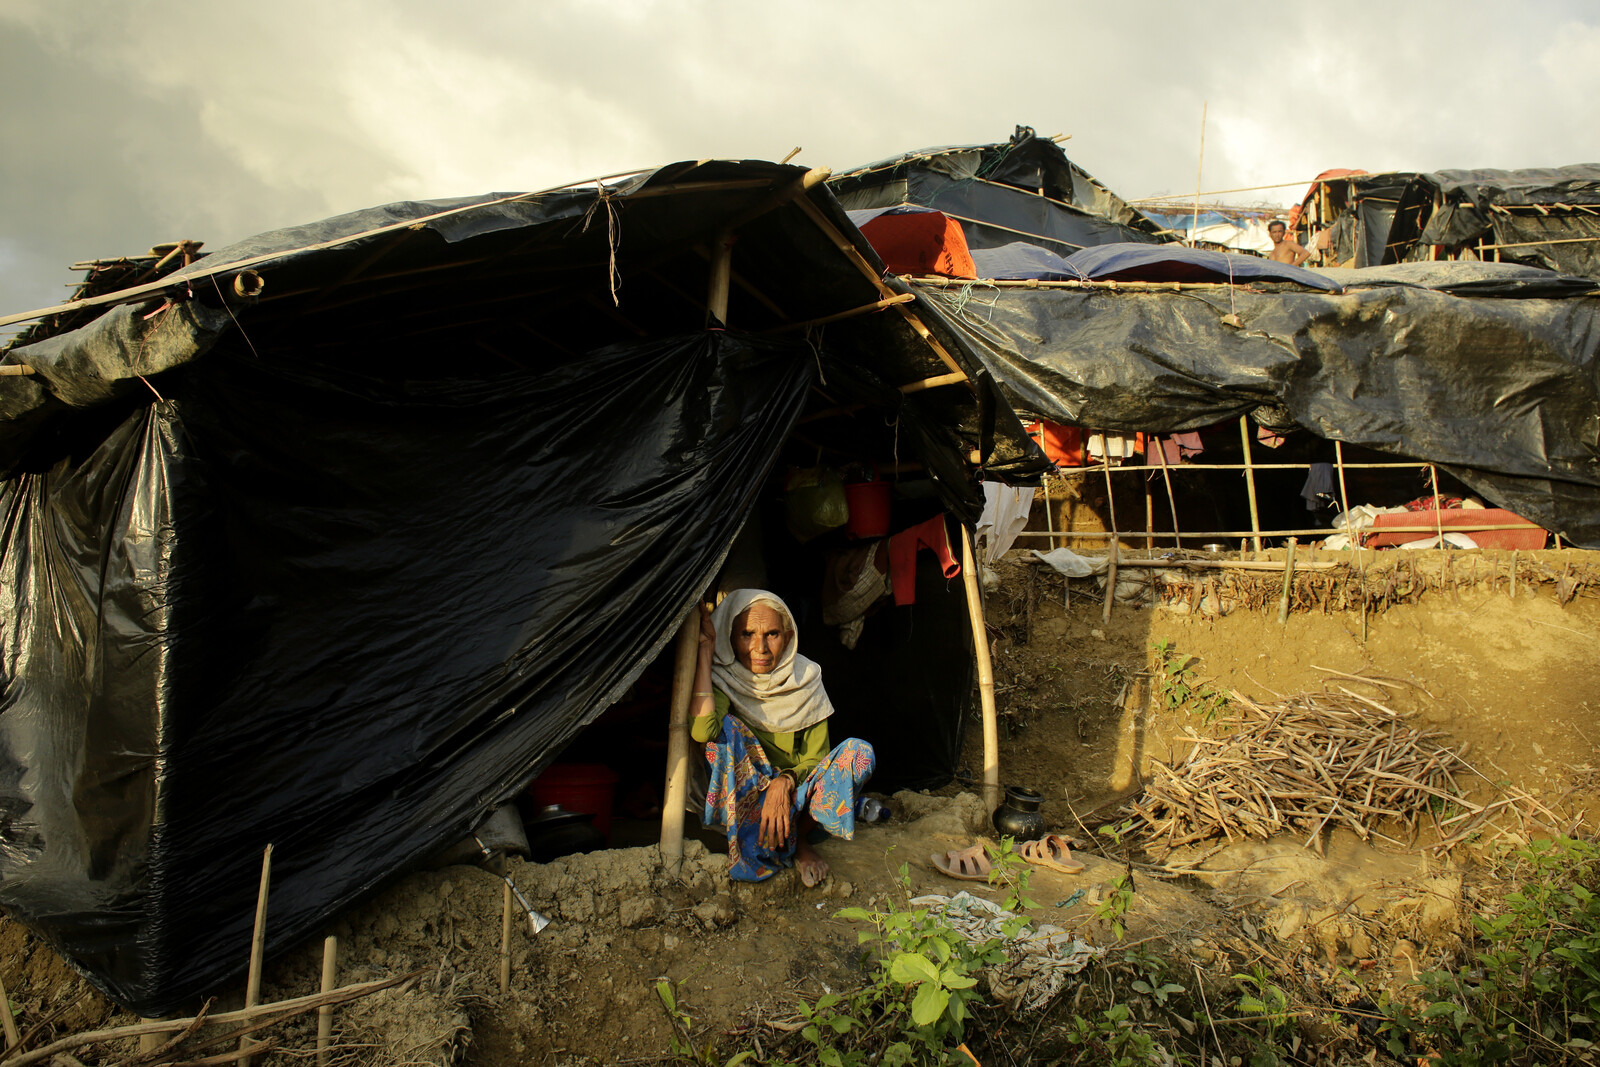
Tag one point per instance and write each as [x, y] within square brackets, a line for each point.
[788, 698]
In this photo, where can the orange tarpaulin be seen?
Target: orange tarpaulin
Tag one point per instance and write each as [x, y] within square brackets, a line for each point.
[922, 242]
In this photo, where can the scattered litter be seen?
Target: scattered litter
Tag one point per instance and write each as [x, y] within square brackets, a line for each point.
[1039, 956]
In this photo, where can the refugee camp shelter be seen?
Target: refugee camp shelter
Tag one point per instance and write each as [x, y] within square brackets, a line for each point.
[1544, 217]
[1024, 190]
[1486, 371]
[331, 539]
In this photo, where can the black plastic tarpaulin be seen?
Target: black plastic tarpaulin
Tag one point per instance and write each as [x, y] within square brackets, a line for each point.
[1503, 392]
[1024, 189]
[342, 615]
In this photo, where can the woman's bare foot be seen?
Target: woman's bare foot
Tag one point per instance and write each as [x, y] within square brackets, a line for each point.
[812, 867]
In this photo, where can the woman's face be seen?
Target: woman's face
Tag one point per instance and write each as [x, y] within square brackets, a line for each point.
[759, 637]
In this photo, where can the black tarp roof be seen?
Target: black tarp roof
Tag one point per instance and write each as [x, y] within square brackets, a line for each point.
[1023, 189]
[340, 569]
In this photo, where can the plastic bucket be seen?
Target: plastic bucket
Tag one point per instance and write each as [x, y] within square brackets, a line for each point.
[869, 509]
[585, 787]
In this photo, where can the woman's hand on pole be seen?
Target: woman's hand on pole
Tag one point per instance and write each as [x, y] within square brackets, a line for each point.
[703, 703]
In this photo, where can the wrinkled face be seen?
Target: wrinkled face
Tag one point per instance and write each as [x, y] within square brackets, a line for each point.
[1276, 231]
[759, 637]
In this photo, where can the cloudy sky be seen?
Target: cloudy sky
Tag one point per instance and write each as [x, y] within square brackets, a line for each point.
[125, 124]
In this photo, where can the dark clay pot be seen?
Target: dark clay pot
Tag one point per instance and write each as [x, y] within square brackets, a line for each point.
[1019, 815]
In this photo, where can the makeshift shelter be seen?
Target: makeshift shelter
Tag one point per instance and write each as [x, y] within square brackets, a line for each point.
[1543, 217]
[1024, 190]
[1487, 370]
[331, 539]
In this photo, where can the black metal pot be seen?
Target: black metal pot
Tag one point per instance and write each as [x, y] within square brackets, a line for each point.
[1019, 816]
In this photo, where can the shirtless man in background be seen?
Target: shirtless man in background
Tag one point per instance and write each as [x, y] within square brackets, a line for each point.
[1283, 249]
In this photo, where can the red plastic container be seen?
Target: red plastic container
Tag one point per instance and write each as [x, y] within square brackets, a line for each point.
[869, 509]
[585, 787]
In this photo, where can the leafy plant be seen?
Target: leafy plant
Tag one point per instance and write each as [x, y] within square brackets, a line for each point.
[1531, 993]
[1115, 904]
[1111, 1038]
[1177, 686]
[682, 1042]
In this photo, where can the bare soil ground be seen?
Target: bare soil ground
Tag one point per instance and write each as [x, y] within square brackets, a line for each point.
[1510, 682]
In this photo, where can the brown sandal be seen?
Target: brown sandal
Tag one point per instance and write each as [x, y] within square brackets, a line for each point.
[1052, 853]
[968, 864]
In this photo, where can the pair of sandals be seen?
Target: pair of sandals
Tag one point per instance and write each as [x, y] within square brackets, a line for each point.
[972, 864]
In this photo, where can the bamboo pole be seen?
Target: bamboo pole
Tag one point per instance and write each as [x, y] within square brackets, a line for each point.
[330, 972]
[1199, 169]
[13, 1038]
[1250, 481]
[1302, 532]
[1344, 497]
[265, 1014]
[1288, 583]
[955, 378]
[1111, 513]
[721, 276]
[1149, 518]
[1049, 512]
[1412, 465]
[1166, 475]
[677, 789]
[854, 256]
[16, 370]
[1438, 505]
[1124, 563]
[505, 941]
[1219, 192]
[837, 316]
[980, 650]
[258, 945]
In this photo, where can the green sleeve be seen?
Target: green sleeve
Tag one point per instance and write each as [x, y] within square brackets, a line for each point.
[705, 727]
[810, 746]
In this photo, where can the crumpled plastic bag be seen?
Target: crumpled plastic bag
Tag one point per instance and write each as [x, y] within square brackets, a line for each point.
[1039, 958]
[1065, 561]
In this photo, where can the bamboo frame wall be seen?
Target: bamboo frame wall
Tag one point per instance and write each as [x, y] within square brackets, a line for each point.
[1255, 533]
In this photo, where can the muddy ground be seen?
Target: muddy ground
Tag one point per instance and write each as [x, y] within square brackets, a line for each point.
[1511, 682]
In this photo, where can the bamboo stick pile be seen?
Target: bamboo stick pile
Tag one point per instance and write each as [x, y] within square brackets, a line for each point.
[1305, 765]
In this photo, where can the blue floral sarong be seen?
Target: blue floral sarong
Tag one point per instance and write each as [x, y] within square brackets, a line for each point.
[740, 771]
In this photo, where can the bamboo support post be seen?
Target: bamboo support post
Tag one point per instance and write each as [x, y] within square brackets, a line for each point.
[677, 790]
[980, 650]
[1438, 505]
[1111, 514]
[330, 972]
[1044, 480]
[1307, 531]
[1288, 583]
[13, 1038]
[721, 276]
[1111, 584]
[839, 316]
[1250, 482]
[258, 945]
[1344, 496]
[1149, 518]
[1166, 476]
[1513, 574]
[505, 941]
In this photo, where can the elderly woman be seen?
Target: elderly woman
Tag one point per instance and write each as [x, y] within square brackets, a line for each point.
[761, 710]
